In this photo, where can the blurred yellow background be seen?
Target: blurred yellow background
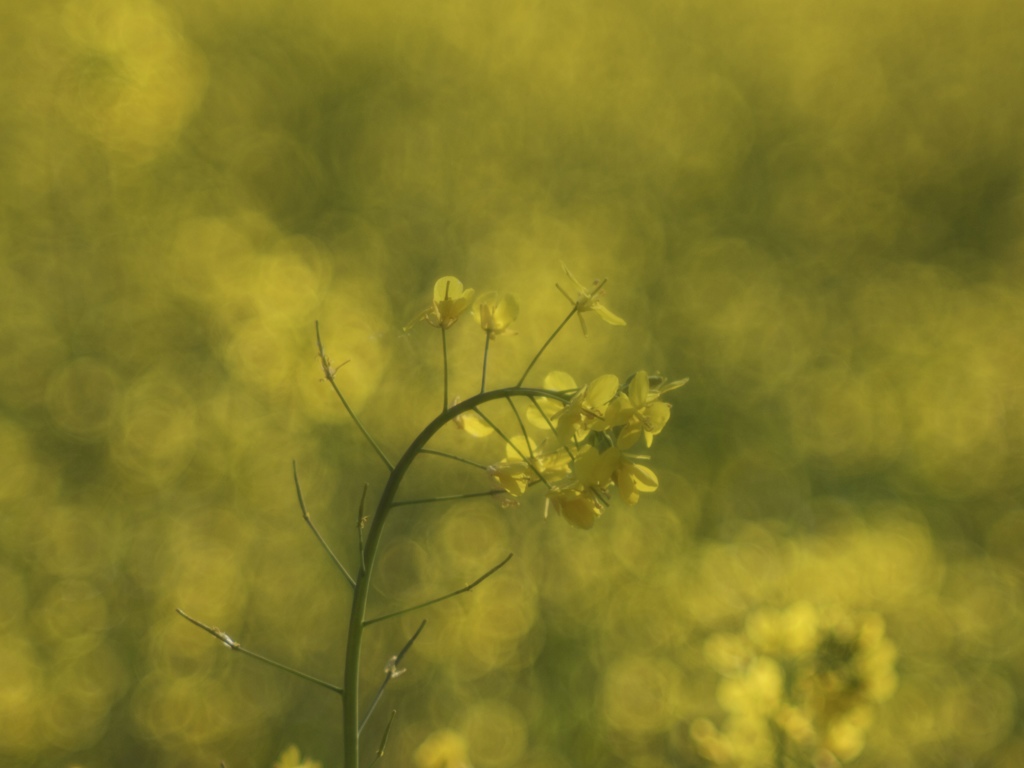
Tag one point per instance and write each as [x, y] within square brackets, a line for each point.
[813, 210]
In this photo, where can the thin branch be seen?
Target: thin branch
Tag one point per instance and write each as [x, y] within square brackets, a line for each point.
[544, 416]
[384, 739]
[551, 426]
[483, 376]
[467, 588]
[454, 497]
[546, 343]
[444, 353]
[454, 457]
[515, 448]
[236, 646]
[522, 427]
[329, 372]
[391, 671]
[309, 522]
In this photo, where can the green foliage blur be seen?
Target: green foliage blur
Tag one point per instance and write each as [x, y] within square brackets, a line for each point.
[813, 210]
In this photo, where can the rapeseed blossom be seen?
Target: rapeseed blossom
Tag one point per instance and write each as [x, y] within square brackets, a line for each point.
[451, 299]
[640, 411]
[586, 408]
[495, 314]
[590, 300]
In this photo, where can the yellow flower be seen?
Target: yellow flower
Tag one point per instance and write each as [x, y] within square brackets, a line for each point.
[586, 408]
[496, 315]
[633, 479]
[576, 504]
[578, 498]
[589, 300]
[640, 412]
[513, 476]
[595, 469]
[552, 464]
[450, 301]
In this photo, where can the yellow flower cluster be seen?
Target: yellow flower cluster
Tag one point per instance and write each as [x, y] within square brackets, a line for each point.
[584, 453]
[594, 429]
[798, 682]
[451, 299]
[611, 419]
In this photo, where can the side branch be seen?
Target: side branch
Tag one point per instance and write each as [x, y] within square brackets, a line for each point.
[522, 427]
[309, 522]
[467, 588]
[391, 671]
[383, 740]
[526, 459]
[452, 456]
[551, 338]
[454, 497]
[551, 426]
[329, 372]
[236, 646]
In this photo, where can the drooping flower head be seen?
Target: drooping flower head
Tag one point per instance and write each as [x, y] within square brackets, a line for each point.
[580, 496]
[631, 478]
[578, 505]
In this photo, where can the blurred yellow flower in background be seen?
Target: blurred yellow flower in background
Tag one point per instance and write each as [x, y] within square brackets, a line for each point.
[470, 423]
[806, 681]
[292, 758]
[442, 749]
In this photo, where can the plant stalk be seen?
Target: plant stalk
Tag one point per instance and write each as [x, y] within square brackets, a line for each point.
[357, 616]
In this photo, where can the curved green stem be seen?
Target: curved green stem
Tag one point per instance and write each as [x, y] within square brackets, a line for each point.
[357, 617]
